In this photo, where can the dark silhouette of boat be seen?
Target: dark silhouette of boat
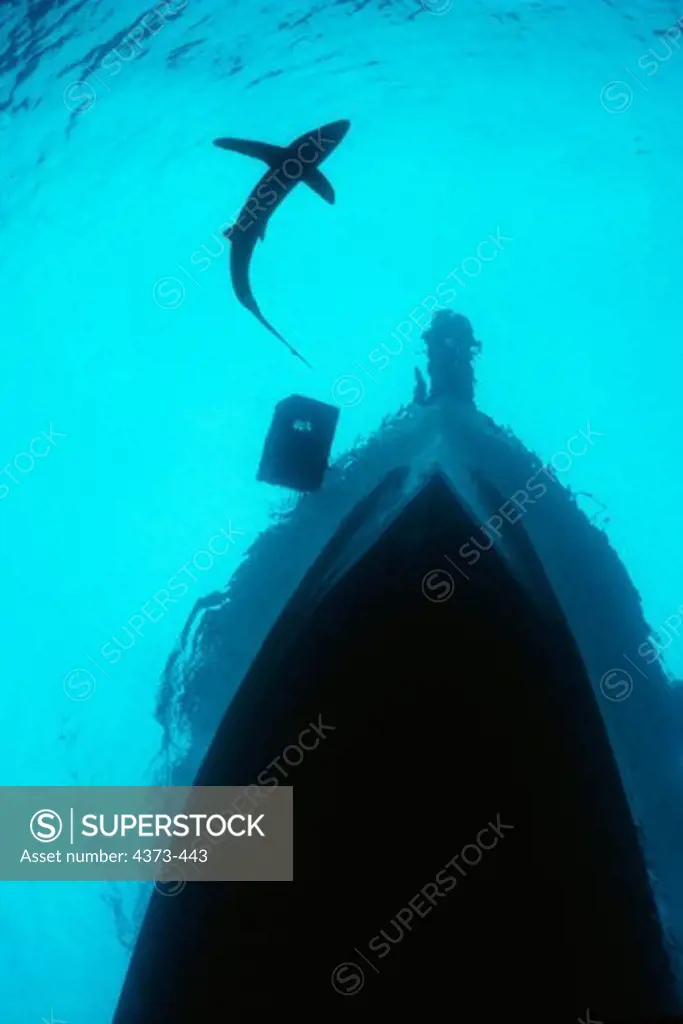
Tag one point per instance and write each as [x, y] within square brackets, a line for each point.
[458, 695]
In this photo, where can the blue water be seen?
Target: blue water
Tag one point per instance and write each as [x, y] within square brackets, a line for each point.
[137, 392]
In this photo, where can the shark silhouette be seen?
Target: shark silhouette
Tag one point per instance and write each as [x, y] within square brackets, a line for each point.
[287, 166]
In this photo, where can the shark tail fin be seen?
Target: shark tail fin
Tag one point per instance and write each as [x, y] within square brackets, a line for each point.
[293, 350]
[259, 316]
[298, 356]
[260, 150]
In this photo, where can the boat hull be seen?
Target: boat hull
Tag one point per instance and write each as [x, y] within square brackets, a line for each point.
[450, 711]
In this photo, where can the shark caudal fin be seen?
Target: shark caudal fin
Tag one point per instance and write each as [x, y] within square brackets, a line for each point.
[277, 334]
[252, 306]
[286, 343]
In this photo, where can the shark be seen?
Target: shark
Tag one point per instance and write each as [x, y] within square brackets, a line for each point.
[287, 167]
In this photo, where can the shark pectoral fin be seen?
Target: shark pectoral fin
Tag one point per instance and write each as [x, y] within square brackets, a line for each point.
[271, 155]
[320, 184]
